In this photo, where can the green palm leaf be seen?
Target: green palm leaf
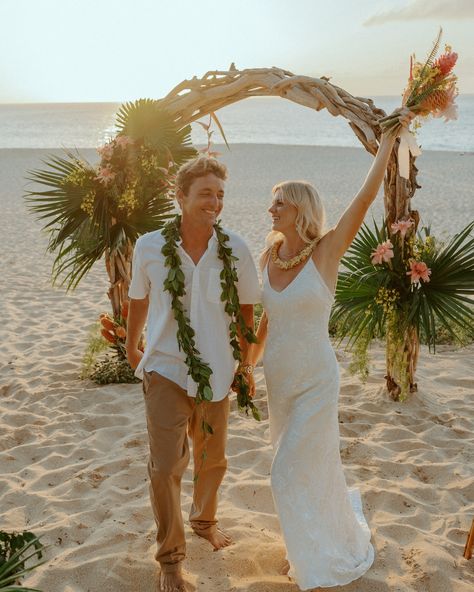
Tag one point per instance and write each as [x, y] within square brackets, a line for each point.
[12, 565]
[146, 119]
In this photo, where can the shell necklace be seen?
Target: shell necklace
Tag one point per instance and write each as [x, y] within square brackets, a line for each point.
[294, 261]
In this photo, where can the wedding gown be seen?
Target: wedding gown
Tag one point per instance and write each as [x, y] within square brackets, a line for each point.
[326, 535]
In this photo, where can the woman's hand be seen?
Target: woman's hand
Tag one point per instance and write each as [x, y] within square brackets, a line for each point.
[400, 119]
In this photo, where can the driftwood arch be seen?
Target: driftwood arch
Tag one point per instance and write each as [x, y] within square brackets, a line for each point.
[192, 99]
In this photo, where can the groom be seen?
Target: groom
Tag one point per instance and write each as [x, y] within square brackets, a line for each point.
[169, 390]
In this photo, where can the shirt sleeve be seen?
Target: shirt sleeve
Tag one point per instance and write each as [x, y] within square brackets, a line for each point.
[248, 285]
[140, 284]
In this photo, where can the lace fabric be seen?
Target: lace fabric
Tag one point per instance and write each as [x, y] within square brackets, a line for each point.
[322, 522]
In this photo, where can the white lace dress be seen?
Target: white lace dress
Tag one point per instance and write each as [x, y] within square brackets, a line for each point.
[325, 532]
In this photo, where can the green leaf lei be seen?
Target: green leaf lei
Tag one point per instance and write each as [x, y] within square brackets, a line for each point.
[199, 370]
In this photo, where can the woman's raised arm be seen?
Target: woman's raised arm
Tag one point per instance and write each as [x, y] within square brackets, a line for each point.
[351, 220]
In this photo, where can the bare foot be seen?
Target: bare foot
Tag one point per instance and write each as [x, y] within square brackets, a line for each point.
[285, 569]
[216, 537]
[171, 582]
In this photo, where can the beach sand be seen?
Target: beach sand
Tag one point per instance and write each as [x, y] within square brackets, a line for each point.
[73, 454]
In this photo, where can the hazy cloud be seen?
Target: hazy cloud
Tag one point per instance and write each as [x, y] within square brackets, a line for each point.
[421, 9]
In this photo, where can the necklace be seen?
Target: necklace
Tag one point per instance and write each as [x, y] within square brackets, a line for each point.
[294, 261]
[200, 370]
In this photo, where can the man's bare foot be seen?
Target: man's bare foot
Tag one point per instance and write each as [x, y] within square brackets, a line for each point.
[285, 569]
[216, 537]
[172, 582]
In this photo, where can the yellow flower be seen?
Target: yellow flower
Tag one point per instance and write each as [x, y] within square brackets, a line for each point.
[87, 204]
[128, 202]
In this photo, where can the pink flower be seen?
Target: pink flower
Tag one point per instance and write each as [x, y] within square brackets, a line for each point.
[106, 175]
[446, 62]
[383, 252]
[123, 141]
[418, 271]
[402, 226]
[106, 151]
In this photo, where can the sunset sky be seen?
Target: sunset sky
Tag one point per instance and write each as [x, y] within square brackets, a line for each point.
[116, 50]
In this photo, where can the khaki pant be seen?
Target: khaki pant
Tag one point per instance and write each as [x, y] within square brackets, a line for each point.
[171, 416]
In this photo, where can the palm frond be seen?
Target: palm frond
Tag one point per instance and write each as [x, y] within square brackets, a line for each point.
[146, 119]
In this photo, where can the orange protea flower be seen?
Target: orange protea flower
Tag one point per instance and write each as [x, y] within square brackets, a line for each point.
[121, 332]
[107, 335]
[125, 307]
[107, 323]
[439, 100]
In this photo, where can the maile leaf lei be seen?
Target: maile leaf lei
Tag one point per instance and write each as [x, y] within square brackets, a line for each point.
[200, 370]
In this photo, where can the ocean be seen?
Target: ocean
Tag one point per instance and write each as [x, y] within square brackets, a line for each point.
[266, 120]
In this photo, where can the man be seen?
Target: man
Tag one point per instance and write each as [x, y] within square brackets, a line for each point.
[169, 390]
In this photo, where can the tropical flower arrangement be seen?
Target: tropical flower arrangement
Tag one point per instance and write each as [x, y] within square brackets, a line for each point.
[99, 210]
[399, 283]
[431, 90]
[403, 285]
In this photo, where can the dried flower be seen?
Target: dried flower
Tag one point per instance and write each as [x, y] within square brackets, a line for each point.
[120, 332]
[107, 323]
[107, 335]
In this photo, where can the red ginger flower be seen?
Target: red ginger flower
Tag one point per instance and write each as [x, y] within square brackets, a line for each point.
[446, 62]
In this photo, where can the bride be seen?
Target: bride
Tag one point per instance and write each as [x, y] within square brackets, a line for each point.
[323, 526]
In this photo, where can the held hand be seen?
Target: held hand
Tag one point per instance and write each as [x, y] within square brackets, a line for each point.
[251, 382]
[134, 357]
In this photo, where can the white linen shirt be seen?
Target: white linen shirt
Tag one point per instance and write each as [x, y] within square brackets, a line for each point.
[202, 304]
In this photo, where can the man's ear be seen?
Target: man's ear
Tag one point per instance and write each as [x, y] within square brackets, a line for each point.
[180, 197]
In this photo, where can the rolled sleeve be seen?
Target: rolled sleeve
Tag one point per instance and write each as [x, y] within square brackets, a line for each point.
[140, 284]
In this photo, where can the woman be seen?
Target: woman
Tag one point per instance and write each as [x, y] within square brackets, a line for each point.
[325, 532]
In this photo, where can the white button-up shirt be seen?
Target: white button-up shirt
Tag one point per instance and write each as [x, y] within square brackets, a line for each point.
[202, 304]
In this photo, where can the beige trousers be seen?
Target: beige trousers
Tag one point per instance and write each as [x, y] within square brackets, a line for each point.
[171, 416]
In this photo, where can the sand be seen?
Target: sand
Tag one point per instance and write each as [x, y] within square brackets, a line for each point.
[73, 454]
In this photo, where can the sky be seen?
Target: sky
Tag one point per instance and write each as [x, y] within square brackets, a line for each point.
[120, 50]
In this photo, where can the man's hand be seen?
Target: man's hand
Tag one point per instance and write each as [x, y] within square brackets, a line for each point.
[134, 356]
[251, 382]
[248, 378]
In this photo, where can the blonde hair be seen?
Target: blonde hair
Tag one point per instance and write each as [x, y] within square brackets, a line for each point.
[311, 217]
[199, 167]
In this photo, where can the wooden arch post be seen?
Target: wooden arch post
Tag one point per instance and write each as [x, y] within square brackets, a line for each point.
[192, 99]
